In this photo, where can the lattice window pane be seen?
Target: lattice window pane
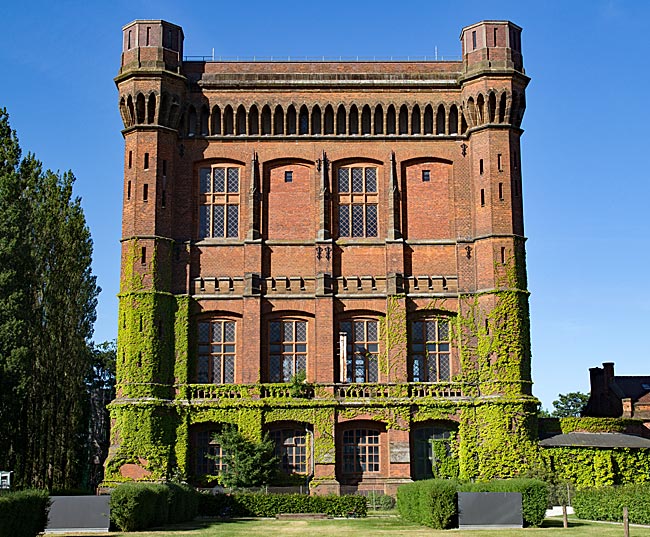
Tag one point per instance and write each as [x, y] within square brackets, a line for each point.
[204, 221]
[418, 369]
[233, 221]
[204, 332]
[357, 179]
[432, 369]
[218, 221]
[301, 331]
[371, 220]
[275, 369]
[344, 220]
[357, 221]
[219, 180]
[229, 369]
[372, 330]
[431, 331]
[276, 334]
[445, 369]
[359, 331]
[216, 332]
[417, 331]
[216, 370]
[372, 369]
[344, 180]
[233, 180]
[301, 363]
[205, 180]
[371, 180]
[287, 331]
[287, 368]
[202, 369]
[443, 330]
[229, 331]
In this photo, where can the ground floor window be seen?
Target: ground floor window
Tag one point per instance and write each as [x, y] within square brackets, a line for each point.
[291, 448]
[208, 455]
[424, 458]
[360, 451]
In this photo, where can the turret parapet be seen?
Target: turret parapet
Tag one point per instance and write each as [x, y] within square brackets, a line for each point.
[152, 44]
[492, 45]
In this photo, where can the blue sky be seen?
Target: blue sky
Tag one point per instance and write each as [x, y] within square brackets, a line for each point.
[586, 184]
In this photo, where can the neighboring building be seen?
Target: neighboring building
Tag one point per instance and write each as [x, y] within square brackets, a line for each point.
[357, 221]
[616, 396]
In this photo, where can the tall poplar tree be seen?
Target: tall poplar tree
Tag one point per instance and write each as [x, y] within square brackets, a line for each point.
[49, 360]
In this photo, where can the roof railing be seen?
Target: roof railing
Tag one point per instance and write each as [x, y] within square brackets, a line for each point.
[288, 59]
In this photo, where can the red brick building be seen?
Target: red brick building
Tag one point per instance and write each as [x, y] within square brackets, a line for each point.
[360, 222]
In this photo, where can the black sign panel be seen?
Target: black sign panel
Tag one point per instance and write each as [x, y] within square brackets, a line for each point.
[79, 513]
[489, 509]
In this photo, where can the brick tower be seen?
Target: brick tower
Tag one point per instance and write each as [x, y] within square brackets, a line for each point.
[358, 223]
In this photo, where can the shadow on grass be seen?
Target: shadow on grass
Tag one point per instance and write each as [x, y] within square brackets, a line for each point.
[558, 523]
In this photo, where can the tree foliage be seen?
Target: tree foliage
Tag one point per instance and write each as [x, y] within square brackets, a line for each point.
[47, 310]
[247, 463]
[569, 405]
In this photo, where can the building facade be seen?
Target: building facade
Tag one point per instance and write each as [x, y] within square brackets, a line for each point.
[357, 225]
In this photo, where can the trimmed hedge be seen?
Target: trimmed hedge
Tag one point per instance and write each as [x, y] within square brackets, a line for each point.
[607, 503]
[534, 495]
[24, 513]
[434, 502]
[431, 502]
[137, 506]
[268, 505]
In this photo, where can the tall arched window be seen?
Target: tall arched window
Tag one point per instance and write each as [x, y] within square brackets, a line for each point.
[354, 120]
[428, 120]
[316, 120]
[453, 119]
[492, 107]
[362, 349]
[216, 120]
[502, 108]
[208, 455]
[379, 120]
[365, 120]
[361, 451]
[292, 448]
[329, 120]
[266, 120]
[205, 121]
[358, 201]
[216, 356]
[287, 349]
[151, 108]
[403, 120]
[278, 120]
[253, 121]
[191, 121]
[440, 120]
[228, 120]
[340, 120]
[415, 120]
[430, 350]
[219, 210]
[291, 120]
[303, 120]
[139, 108]
[241, 119]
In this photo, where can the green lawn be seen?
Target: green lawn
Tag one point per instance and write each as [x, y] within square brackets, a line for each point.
[369, 527]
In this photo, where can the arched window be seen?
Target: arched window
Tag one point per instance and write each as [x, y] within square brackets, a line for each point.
[403, 120]
[365, 120]
[316, 120]
[362, 349]
[191, 121]
[453, 119]
[361, 451]
[471, 111]
[430, 350]
[358, 200]
[291, 120]
[241, 119]
[139, 107]
[216, 356]
[205, 120]
[480, 108]
[329, 120]
[303, 120]
[379, 120]
[340, 120]
[287, 349]
[440, 120]
[390, 120]
[428, 441]
[354, 120]
[130, 107]
[163, 115]
[463, 124]
[266, 120]
[292, 448]
[219, 209]
[216, 120]
[502, 108]
[253, 120]
[492, 107]
[278, 120]
[151, 108]
[124, 111]
[416, 120]
[228, 121]
[428, 120]
[208, 455]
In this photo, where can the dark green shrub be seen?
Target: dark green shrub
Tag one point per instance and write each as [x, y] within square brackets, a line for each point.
[268, 505]
[534, 495]
[607, 503]
[431, 502]
[24, 513]
[183, 503]
[137, 506]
